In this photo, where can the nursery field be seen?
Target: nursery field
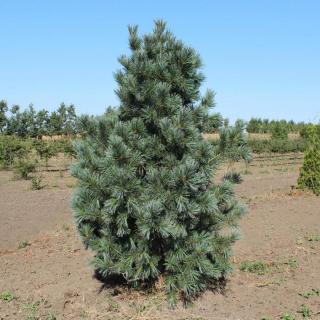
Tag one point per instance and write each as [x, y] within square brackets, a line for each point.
[251, 136]
[45, 272]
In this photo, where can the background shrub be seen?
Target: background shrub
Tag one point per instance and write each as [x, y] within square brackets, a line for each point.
[277, 146]
[305, 131]
[309, 177]
[279, 131]
[13, 149]
[45, 150]
[24, 168]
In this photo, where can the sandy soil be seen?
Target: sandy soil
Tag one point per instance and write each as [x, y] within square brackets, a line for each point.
[46, 269]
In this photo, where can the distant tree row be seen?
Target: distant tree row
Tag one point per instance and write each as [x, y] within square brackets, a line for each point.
[35, 124]
[258, 125]
[64, 121]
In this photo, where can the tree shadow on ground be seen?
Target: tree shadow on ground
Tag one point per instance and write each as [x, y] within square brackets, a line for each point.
[117, 284]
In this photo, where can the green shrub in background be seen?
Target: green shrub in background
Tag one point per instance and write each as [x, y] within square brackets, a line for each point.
[65, 146]
[279, 131]
[13, 149]
[24, 168]
[305, 131]
[45, 150]
[233, 145]
[309, 177]
[277, 146]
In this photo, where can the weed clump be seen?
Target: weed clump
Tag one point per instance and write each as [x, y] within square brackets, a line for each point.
[258, 267]
[36, 182]
[6, 296]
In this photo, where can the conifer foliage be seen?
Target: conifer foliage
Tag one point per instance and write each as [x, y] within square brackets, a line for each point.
[309, 177]
[147, 203]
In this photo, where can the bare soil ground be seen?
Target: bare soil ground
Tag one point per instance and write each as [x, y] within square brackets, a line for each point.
[44, 268]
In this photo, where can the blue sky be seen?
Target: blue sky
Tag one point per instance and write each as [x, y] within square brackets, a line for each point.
[261, 57]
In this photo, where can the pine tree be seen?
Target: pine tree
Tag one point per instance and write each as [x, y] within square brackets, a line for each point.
[279, 131]
[42, 123]
[147, 203]
[3, 117]
[309, 177]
